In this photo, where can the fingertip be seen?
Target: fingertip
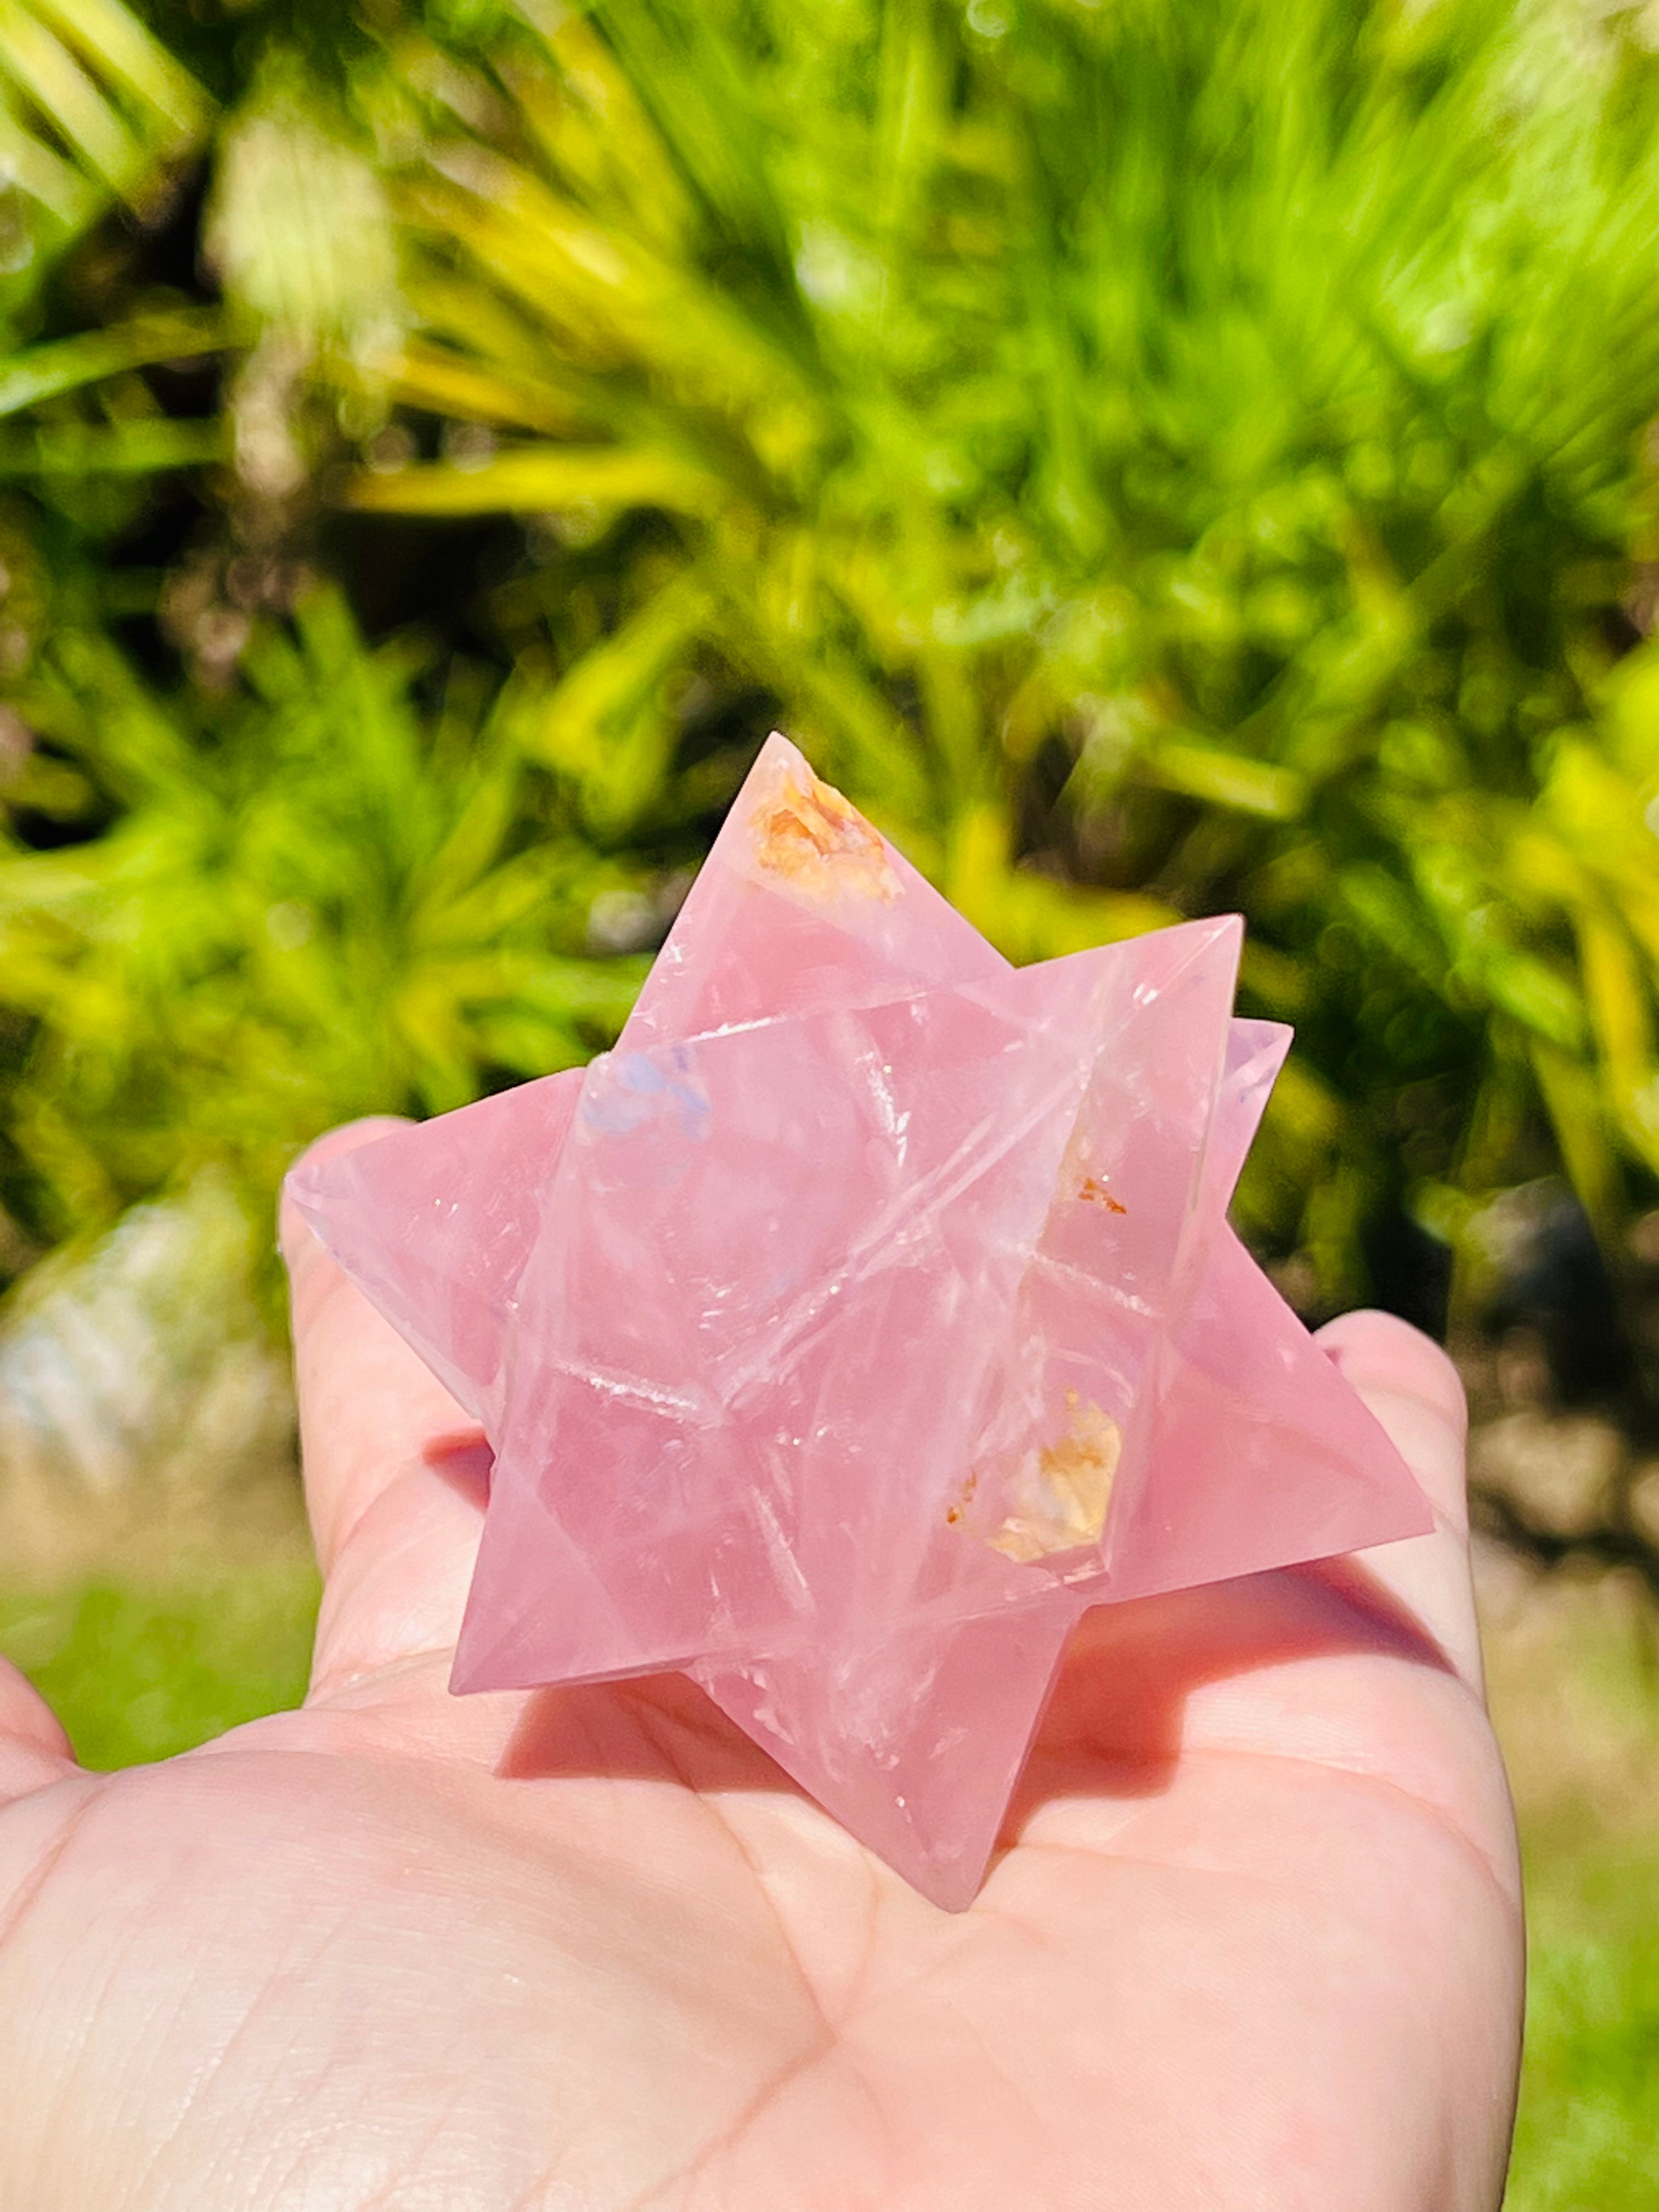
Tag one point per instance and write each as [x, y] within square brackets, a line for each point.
[1411, 1390]
[349, 1137]
[1379, 1352]
[1415, 1393]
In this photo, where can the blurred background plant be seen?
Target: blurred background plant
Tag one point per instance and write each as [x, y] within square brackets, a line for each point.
[1158, 459]
[1157, 462]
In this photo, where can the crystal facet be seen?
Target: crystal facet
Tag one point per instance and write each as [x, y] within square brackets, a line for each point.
[868, 1314]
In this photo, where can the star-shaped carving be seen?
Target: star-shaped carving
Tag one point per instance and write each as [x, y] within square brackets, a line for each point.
[867, 1315]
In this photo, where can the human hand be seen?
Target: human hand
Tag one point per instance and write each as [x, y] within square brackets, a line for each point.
[1254, 1939]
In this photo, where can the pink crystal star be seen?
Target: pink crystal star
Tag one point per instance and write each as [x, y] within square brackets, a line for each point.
[866, 1315]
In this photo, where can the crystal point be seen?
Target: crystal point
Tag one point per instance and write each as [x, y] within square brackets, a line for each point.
[868, 1313]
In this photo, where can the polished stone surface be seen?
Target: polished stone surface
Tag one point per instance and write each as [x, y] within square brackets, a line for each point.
[868, 1313]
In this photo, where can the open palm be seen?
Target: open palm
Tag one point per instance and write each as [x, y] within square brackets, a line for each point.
[1252, 1941]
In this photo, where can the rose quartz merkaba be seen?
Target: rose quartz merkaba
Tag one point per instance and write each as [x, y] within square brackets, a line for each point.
[866, 1315]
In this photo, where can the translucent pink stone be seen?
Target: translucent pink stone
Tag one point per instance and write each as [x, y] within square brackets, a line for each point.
[867, 1315]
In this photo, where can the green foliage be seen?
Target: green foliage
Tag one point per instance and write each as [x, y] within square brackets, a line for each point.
[93, 112]
[308, 905]
[1158, 459]
[98, 121]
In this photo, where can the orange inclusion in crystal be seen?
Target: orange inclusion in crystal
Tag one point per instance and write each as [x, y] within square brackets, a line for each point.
[814, 839]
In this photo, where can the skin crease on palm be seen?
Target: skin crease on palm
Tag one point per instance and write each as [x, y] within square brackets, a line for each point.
[1253, 1938]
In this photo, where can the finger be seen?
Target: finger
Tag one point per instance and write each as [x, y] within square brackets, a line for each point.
[1413, 1390]
[34, 1748]
[394, 1538]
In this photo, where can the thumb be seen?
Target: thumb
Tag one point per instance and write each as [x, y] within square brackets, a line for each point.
[395, 1540]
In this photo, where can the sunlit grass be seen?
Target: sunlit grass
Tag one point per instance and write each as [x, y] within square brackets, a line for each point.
[1571, 1671]
[1588, 2126]
[139, 1673]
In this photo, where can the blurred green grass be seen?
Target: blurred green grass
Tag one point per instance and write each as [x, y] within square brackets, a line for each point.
[1587, 2136]
[141, 1674]
[1572, 1663]
[138, 1673]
